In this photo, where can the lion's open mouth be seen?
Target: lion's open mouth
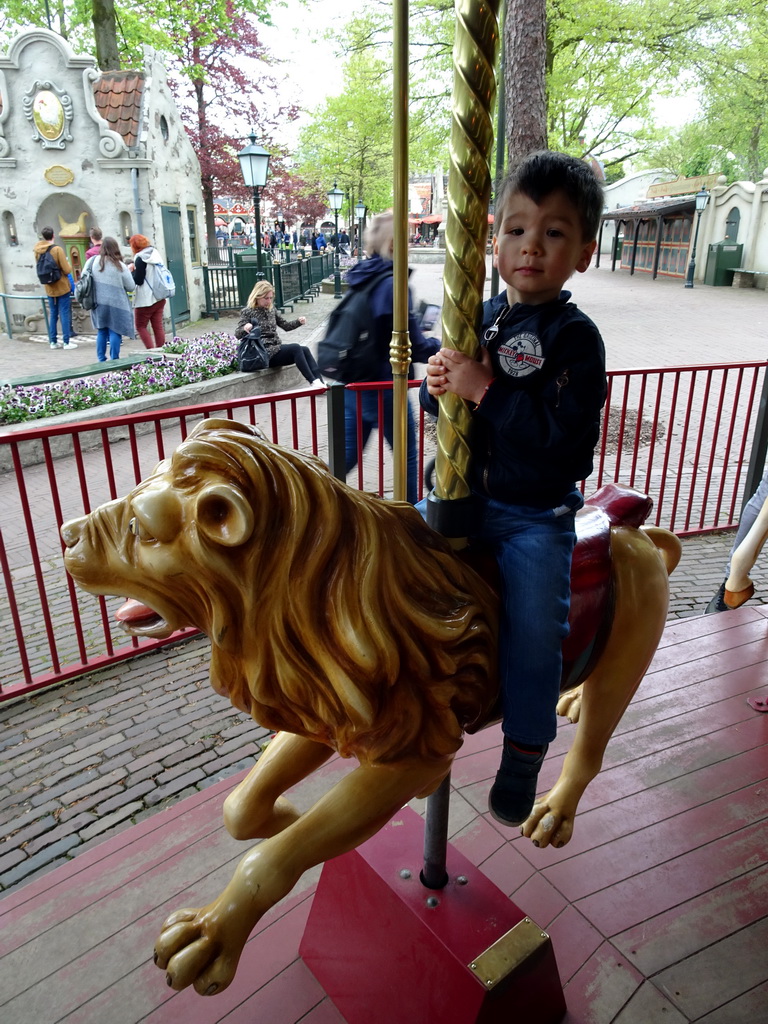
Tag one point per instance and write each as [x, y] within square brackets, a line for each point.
[141, 620]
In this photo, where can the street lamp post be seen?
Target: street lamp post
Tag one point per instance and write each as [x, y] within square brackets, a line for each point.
[335, 199]
[254, 165]
[360, 214]
[702, 198]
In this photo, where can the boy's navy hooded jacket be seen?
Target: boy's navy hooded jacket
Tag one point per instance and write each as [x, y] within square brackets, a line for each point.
[535, 431]
[380, 302]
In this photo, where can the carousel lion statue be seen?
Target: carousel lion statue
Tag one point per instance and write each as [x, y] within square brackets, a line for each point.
[346, 624]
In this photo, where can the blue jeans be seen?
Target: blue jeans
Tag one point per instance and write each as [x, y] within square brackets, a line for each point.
[533, 548]
[104, 335]
[60, 306]
[369, 412]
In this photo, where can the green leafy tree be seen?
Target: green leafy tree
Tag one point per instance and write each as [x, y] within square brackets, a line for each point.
[605, 62]
[731, 135]
[350, 140]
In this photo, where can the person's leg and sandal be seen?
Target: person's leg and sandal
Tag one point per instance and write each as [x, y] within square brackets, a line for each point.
[726, 600]
[534, 548]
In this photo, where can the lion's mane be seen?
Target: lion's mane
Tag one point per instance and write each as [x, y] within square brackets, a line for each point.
[348, 619]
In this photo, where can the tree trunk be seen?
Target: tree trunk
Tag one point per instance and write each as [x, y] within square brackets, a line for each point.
[105, 34]
[525, 45]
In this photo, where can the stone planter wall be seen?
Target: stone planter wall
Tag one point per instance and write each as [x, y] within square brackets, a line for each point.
[234, 385]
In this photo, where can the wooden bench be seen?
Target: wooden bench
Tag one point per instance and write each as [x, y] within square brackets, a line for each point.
[743, 278]
[66, 373]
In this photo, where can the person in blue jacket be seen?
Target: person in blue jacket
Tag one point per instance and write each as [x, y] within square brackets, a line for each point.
[379, 242]
[536, 392]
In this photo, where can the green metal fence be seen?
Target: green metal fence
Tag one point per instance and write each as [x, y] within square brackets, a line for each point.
[228, 285]
[13, 319]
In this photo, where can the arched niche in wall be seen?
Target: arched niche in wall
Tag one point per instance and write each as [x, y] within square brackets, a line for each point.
[9, 229]
[732, 222]
[68, 215]
[126, 229]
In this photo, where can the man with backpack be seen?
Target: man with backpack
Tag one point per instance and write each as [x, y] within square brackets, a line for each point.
[53, 270]
[356, 346]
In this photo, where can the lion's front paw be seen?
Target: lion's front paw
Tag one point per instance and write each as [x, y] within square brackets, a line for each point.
[548, 826]
[569, 705]
[192, 951]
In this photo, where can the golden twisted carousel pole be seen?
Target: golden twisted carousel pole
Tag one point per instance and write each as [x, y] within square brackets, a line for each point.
[469, 189]
[400, 345]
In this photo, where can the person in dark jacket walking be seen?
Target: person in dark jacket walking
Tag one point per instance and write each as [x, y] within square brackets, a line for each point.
[379, 241]
[536, 393]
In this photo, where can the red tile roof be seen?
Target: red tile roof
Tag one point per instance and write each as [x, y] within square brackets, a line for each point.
[118, 100]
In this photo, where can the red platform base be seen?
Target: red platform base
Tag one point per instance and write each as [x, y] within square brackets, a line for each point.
[388, 951]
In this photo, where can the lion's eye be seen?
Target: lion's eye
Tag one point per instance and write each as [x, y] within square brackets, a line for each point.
[138, 530]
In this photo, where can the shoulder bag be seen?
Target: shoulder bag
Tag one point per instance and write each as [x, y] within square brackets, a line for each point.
[251, 353]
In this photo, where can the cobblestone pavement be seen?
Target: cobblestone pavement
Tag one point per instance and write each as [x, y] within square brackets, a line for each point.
[86, 759]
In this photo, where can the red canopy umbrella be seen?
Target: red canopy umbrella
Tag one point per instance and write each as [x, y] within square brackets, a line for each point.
[219, 223]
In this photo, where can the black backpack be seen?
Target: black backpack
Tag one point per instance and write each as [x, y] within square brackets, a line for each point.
[48, 270]
[348, 352]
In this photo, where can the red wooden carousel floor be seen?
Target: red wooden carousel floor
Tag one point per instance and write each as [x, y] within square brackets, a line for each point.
[658, 908]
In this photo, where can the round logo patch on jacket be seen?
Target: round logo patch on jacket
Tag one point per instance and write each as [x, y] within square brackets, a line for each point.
[521, 355]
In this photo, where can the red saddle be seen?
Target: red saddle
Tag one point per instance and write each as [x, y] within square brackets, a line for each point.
[592, 593]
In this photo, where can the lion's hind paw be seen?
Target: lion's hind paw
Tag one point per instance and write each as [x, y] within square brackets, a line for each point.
[569, 705]
[191, 956]
[547, 827]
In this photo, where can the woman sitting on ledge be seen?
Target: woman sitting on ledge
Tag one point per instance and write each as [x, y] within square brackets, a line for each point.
[260, 312]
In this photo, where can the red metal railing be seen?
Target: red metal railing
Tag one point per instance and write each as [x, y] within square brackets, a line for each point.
[682, 434]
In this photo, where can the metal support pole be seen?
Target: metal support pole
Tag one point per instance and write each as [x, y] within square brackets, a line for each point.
[336, 269]
[337, 447]
[692, 264]
[433, 874]
[400, 344]
[257, 216]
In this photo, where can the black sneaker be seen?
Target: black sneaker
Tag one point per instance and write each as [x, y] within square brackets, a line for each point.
[717, 604]
[513, 794]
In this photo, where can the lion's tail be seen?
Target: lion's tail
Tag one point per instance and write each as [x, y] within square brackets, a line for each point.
[667, 544]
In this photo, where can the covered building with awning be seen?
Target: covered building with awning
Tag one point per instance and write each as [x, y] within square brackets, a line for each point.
[652, 237]
[654, 234]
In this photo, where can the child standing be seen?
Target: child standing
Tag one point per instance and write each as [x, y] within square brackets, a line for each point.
[261, 313]
[536, 392]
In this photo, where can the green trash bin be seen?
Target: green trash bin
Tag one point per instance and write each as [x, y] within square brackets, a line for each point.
[722, 259]
[246, 271]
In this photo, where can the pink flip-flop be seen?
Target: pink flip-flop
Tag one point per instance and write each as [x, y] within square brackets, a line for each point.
[758, 704]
